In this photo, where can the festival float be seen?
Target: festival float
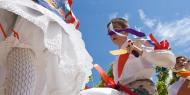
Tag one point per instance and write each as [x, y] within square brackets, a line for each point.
[41, 49]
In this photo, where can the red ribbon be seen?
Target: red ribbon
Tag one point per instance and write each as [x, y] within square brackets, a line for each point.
[70, 18]
[70, 3]
[164, 44]
[110, 83]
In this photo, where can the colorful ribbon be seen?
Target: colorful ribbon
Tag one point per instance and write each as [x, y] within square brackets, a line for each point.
[129, 30]
[164, 44]
[62, 9]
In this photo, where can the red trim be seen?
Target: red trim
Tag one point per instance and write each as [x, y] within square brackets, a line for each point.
[15, 33]
[3, 31]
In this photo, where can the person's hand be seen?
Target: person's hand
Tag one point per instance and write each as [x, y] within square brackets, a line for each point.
[133, 49]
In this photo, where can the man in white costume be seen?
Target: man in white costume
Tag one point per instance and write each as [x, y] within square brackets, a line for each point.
[182, 85]
[47, 57]
[137, 70]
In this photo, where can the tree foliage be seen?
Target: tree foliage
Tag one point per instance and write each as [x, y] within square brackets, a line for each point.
[161, 84]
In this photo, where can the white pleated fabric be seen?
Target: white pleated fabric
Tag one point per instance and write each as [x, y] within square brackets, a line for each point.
[60, 65]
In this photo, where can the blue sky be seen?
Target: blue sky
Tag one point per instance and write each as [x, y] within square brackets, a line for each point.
[166, 19]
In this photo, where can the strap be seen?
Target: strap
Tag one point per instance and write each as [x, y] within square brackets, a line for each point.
[15, 34]
[3, 31]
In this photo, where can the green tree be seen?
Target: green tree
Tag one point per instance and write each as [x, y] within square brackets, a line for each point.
[161, 84]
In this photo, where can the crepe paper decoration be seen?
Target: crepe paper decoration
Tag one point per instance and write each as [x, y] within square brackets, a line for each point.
[164, 44]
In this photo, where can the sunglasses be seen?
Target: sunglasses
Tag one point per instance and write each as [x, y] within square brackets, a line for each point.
[129, 30]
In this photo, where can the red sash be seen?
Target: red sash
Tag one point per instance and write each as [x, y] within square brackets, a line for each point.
[110, 83]
[121, 63]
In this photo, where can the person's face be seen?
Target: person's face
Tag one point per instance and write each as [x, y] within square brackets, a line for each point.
[182, 63]
[118, 40]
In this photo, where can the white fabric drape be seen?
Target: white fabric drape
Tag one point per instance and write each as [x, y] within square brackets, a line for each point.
[62, 63]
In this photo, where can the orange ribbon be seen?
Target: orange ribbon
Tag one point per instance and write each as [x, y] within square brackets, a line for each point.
[184, 74]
